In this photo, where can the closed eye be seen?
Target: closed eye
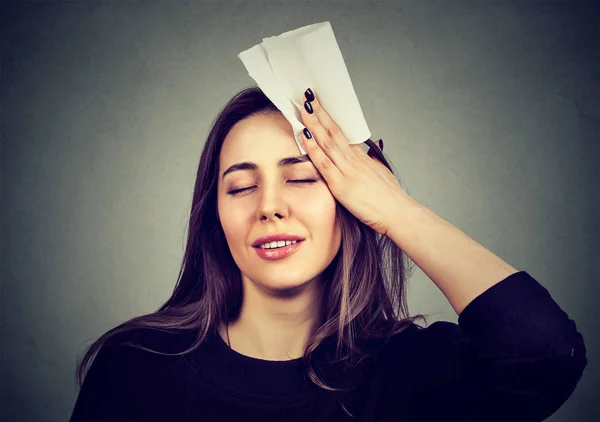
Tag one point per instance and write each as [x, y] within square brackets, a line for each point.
[236, 191]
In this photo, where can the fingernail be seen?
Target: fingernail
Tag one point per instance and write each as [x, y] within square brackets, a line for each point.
[381, 144]
[307, 133]
[309, 95]
[308, 107]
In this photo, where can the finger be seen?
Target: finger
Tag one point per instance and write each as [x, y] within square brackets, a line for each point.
[350, 152]
[328, 135]
[322, 162]
[373, 157]
[369, 158]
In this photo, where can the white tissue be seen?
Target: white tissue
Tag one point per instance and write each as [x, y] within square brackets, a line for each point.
[284, 66]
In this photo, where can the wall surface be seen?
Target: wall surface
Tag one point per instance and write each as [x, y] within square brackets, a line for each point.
[489, 111]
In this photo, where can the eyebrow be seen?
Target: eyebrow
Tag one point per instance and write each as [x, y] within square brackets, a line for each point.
[248, 165]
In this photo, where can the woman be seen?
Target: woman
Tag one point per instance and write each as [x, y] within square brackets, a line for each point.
[318, 329]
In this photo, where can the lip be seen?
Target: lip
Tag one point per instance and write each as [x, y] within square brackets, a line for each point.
[273, 237]
[279, 253]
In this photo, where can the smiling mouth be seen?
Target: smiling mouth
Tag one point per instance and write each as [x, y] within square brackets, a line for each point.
[274, 254]
[278, 247]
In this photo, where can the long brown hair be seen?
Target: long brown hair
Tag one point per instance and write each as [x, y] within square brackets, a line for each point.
[364, 295]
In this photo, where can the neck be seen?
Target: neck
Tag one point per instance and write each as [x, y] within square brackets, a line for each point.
[275, 327]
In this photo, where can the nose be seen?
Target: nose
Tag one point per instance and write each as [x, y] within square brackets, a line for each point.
[272, 203]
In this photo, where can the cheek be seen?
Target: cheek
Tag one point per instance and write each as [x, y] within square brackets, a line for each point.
[320, 209]
[233, 220]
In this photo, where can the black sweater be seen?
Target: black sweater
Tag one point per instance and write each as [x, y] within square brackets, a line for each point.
[513, 356]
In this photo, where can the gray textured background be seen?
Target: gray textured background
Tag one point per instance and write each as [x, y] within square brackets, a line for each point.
[489, 111]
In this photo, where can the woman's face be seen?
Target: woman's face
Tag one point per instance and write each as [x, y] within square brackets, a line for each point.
[275, 204]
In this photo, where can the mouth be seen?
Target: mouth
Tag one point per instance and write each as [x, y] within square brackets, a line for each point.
[273, 254]
[278, 247]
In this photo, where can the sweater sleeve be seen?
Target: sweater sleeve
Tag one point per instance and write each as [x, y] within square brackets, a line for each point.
[513, 356]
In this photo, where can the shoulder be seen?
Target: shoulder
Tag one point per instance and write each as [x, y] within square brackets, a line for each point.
[125, 382]
[419, 343]
[161, 340]
[420, 356]
[141, 354]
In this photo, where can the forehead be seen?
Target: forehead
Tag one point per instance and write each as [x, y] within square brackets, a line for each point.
[261, 138]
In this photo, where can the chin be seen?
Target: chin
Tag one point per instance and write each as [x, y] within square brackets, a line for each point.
[287, 288]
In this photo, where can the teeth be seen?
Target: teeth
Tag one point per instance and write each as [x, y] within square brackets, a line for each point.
[277, 244]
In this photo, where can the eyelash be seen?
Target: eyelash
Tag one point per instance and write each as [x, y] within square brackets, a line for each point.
[236, 191]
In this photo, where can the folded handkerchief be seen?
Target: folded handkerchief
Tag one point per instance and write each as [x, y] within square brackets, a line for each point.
[284, 66]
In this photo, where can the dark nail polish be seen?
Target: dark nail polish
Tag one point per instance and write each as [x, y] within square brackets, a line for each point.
[381, 144]
[309, 95]
[308, 107]
[307, 133]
